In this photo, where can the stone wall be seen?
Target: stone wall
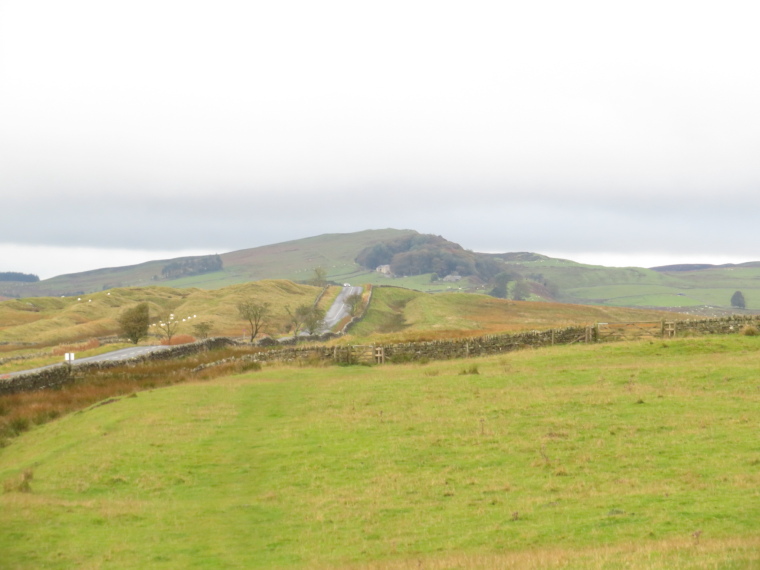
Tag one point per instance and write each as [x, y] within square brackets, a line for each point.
[434, 350]
[722, 325]
[491, 344]
[59, 374]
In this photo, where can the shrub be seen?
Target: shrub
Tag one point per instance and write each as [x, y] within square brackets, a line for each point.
[750, 330]
[178, 339]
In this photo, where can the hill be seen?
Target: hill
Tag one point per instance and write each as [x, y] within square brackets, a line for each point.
[52, 320]
[293, 260]
[428, 263]
[398, 315]
[630, 455]
[393, 313]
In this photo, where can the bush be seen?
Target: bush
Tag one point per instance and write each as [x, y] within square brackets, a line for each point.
[750, 330]
[178, 339]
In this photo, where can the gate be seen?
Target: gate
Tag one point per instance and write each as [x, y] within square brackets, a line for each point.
[355, 354]
[634, 330]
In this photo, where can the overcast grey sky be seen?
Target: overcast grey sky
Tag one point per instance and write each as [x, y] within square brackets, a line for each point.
[610, 132]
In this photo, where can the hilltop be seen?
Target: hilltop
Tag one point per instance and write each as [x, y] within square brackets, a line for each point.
[429, 263]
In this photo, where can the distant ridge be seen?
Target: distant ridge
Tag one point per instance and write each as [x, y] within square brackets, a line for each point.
[702, 266]
[428, 263]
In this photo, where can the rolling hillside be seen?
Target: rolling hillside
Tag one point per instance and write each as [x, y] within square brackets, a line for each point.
[394, 313]
[51, 320]
[431, 264]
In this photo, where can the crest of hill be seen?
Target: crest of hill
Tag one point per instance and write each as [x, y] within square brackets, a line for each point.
[294, 260]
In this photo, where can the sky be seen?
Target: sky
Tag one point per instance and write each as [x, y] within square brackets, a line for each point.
[617, 133]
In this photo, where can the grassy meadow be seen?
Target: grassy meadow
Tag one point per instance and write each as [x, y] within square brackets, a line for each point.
[626, 455]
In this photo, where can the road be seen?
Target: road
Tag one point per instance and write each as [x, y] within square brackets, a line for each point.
[339, 308]
[116, 355]
[335, 314]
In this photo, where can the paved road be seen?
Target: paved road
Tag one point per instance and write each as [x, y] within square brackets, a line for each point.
[337, 311]
[339, 308]
[116, 355]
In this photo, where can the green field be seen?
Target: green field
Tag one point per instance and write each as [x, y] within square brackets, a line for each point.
[628, 455]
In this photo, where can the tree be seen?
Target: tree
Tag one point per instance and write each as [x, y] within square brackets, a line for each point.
[202, 329]
[737, 300]
[305, 317]
[354, 302]
[296, 318]
[256, 313]
[521, 290]
[314, 321]
[167, 328]
[320, 277]
[134, 322]
[501, 283]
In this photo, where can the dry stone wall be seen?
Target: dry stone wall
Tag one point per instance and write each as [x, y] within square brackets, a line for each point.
[60, 374]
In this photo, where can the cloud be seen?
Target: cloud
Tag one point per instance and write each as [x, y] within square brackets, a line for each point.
[502, 125]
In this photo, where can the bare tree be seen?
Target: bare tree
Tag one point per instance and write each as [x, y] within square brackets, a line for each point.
[320, 277]
[167, 327]
[315, 320]
[256, 313]
[297, 318]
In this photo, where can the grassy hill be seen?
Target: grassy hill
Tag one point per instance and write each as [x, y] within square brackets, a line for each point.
[397, 315]
[632, 455]
[703, 290]
[51, 320]
[292, 260]
[394, 313]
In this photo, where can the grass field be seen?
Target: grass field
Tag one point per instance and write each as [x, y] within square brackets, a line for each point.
[628, 455]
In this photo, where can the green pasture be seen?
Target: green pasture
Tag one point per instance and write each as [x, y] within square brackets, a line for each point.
[629, 455]
[662, 296]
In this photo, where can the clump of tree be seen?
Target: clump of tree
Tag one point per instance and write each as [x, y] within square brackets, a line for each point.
[257, 314]
[501, 284]
[188, 266]
[521, 290]
[19, 277]
[134, 322]
[737, 300]
[423, 253]
[306, 318]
